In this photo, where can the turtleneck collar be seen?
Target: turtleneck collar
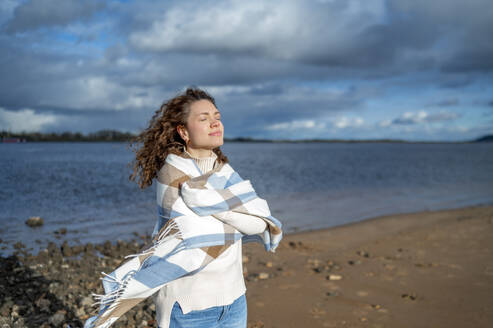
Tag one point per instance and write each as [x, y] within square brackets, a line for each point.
[205, 164]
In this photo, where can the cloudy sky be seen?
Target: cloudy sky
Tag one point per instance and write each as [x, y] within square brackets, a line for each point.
[350, 69]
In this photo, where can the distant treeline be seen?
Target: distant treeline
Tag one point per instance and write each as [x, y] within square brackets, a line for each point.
[102, 135]
[114, 135]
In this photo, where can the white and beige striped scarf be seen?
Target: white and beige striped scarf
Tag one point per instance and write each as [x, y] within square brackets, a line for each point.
[187, 235]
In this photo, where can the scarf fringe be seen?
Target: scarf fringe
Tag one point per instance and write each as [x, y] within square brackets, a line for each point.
[112, 297]
[163, 236]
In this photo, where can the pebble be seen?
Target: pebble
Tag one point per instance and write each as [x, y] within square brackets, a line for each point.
[19, 323]
[411, 296]
[334, 277]
[351, 262]
[295, 245]
[19, 245]
[80, 312]
[61, 231]
[86, 301]
[263, 275]
[43, 304]
[362, 293]
[66, 250]
[57, 319]
[35, 221]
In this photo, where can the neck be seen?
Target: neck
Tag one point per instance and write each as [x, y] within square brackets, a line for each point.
[200, 152]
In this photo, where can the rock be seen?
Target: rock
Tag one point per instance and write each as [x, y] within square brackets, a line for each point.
[334, 277]
[61, 231]
[351, 262]
[411, 296]
[6, 308]
[314, 262]
[35, 221]
[5, 322]
[53, 250]
[66, 250]
[89, 248]
[77, 249]
[19, 323]
[53, 287]
[14, 314]
[138, 315]
[57, 319]
[268, 264]
[19, 245]
[332, 293]
[43, 304]
[80, 313]
[263, 275]
[363, 253]
[292, 244]
[86, 301]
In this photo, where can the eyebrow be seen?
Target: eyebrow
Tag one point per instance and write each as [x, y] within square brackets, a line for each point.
[207, 113]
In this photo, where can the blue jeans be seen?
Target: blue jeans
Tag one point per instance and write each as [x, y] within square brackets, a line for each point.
[233, 315]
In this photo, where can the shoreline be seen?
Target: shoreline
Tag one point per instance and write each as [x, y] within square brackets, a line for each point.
[427, 268]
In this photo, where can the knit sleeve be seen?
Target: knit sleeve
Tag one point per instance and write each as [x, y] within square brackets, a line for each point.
[244, 223]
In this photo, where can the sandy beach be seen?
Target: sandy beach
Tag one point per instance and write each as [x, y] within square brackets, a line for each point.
[426, 269]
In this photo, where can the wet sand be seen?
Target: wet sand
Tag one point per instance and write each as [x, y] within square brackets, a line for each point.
[426, 269]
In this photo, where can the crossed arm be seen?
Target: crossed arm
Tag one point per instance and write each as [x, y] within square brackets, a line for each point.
[244, 223]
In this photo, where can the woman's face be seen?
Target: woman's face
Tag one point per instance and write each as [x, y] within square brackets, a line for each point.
[204, 129]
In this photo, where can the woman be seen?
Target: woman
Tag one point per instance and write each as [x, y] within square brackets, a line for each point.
[189, 125]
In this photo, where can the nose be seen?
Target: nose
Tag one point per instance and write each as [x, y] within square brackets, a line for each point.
[214, 122]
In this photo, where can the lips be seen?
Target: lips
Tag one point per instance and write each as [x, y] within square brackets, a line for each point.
[217, 133]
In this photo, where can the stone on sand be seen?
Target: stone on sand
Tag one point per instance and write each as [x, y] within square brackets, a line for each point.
[35, 221]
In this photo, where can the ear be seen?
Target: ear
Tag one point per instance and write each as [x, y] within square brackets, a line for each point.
[182, 131]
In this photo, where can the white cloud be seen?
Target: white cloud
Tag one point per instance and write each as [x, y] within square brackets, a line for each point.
[296, 125]
[384, 123]
[423, 117]
[264, 28]
[347, 122]
[24, 120]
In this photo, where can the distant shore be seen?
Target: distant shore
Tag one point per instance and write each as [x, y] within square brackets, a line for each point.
[430, 268]
[118, 136]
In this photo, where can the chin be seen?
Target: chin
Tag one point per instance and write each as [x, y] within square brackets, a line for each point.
[217, 144]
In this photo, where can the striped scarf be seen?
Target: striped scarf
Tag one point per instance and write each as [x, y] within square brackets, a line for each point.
[187, 235]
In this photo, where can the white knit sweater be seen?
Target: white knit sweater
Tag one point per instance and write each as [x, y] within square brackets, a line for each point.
[219, 283]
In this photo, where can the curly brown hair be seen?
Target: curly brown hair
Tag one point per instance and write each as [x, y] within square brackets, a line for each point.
[161, 137]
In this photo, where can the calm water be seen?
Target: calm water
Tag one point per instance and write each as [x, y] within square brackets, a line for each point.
[84, 187]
